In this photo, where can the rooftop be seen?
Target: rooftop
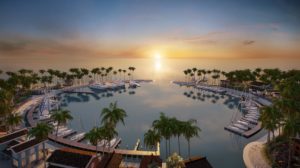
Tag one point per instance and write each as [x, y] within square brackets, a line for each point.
[7, 151]
[70, 158]
[115, 161]
[13, 135]
[197, 162]
[25, 145]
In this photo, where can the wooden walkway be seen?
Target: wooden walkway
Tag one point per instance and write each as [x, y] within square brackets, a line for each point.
[92, 148]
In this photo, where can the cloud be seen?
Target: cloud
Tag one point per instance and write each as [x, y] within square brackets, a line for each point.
[210, 38]
[39, 46]
[12, 46]
[25, 47]
[248, 42]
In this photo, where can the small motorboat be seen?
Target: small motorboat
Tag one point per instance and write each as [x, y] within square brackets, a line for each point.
[133, 84]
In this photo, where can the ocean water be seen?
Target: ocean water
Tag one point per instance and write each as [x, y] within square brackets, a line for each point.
[143, 105]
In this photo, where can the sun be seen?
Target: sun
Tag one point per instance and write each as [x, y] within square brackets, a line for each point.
[157, 62]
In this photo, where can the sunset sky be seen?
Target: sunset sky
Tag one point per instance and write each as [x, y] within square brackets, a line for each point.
[140, 28]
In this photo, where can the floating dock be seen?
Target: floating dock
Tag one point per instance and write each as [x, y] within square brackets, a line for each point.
[245, 134]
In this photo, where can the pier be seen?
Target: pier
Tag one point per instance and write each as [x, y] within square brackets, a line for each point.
[91, 148]
[82, 92]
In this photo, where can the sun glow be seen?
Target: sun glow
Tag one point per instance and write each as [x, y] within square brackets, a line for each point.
[157, 62]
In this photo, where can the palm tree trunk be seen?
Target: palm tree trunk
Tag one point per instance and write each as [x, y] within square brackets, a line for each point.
[166, 148]
[97, 148]
[290, 153]
[169, 146]
[178, 144]
[57, 129]
[44, 154]
[103, 148]
[189, 149]
[268, 137]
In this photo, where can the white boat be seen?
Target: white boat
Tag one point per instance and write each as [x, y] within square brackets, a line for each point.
[134, 84]
[235, 129]
[77, 136]
[247, 124]
[240, 126]
[250, 108]
[120, 84]
[113, 141]
[252, 117]
[250, 120]
[99, 86]
[101, 143]
[66, 132]
[253, 113]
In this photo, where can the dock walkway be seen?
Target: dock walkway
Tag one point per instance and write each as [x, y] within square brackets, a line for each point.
[75, 91]
[92, 148]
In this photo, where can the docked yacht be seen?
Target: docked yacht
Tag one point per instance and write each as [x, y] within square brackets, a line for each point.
[99, 86]
[133, 84]
[78, 137]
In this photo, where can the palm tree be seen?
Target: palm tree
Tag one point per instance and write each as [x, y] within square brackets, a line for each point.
[185, 74]
[199, 73]
[177, 130]
[6, 99]
[163, 127]
[190, 130]
[268, 119]
[41, 132]
[112, 115]
[94, 136]
[14, 120]
[61, 117]
[94, 71]
[115, 73]
[151, 138]
[133, 69]
[120, 71]
[194, 70]
[129, 74]
[124, 72]
[75, 72]
[84, 72]
[109, 132]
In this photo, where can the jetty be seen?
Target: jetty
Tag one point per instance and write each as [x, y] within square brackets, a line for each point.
[91, 148]
[77, 91]
[247, 125]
